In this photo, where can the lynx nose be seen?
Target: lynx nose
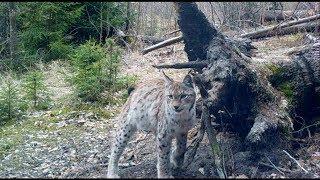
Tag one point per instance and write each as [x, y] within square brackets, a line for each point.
[176, 107]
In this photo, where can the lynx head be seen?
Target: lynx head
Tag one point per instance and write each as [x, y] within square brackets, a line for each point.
[180, 96]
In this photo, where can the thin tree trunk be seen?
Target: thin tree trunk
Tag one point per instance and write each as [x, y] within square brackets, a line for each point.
[101, 25]
[128, 18]
[13, 32]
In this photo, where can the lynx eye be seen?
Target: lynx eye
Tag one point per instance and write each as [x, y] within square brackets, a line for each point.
[184, 96]
[170, 96]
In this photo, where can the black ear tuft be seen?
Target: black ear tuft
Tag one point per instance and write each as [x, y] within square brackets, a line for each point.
[188, 81]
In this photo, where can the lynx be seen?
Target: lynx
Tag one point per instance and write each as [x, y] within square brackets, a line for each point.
[163, 107]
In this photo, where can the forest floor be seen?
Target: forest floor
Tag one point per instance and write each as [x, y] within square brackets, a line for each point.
[73, 141]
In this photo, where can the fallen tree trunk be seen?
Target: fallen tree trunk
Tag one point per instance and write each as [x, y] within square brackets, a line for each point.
[285, 28]
[162, 44]
[304, 27]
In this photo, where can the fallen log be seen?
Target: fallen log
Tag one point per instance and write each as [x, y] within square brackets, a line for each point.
[304, 27]
[162, 44]
[285, 27]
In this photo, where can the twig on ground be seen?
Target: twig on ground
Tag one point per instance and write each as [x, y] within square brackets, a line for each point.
[295, 161]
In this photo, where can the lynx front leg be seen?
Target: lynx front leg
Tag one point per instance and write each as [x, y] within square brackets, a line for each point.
[178, 154]
[120, 143]
[164, 147]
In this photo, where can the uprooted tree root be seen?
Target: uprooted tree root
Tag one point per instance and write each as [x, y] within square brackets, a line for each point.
[231, 88]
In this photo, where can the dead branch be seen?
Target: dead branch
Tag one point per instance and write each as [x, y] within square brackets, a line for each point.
[191, 64]
[162, 44]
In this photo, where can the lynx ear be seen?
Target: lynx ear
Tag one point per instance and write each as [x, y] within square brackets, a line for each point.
[167, 79]
[188, 81]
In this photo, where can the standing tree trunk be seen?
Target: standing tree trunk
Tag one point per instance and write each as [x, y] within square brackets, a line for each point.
[13, 32]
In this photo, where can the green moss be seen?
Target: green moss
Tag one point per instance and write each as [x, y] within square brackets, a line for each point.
[275, 69]
[278, 81]
[287, 89]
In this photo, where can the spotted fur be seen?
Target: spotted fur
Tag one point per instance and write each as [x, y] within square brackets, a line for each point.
[163, 107]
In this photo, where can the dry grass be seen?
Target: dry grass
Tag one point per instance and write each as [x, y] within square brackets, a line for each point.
[141, 65]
